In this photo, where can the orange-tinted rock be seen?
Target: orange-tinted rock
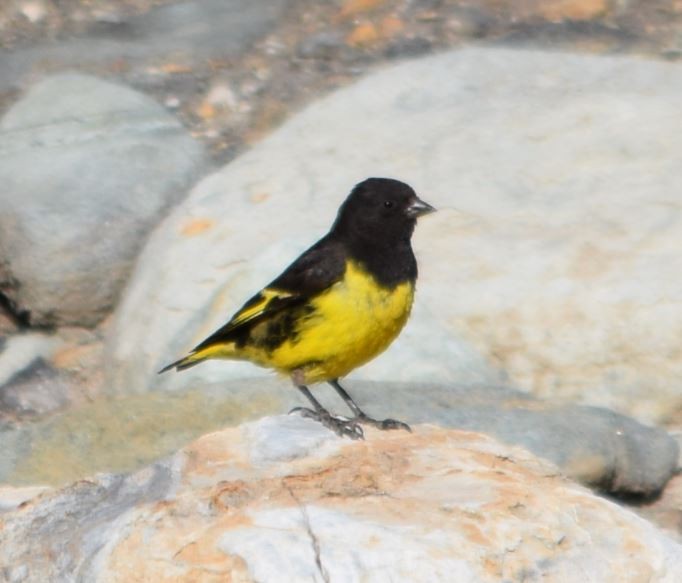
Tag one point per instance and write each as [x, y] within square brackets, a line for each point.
[197, 226]
[352, 8]
[363, 35]
[391, 26]
[283, 499]
[558, 10]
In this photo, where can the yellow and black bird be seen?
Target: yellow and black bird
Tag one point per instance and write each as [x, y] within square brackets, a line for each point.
[340, 304]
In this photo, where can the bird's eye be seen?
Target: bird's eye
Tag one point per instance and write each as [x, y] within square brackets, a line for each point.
[388, 204]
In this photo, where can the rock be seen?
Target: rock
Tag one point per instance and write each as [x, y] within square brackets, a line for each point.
[558, 273]
[666, 511]
[594, 446]
[408, 47]
[42, 374]
[23, 351]
[33, 11]
[87, 168]
[285, 500]
[574, 10]
[324, 45]
[187, 32]
[11, 498]
[34, 392]
[125, 433]
[7, 324]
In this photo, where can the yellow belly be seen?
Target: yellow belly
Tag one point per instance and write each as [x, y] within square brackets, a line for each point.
[354, 321]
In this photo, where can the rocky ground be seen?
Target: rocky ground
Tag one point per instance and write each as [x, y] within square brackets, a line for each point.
[232, 96]
[283, 500]
[161, 160]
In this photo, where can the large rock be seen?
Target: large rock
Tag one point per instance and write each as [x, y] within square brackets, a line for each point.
[87, 169]
[594, 446]
[560, 267]
[283, 499]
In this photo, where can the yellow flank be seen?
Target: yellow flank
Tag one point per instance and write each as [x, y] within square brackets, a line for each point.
[352, 322]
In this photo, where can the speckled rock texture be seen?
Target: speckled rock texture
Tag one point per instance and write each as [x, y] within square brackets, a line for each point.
[283, 499]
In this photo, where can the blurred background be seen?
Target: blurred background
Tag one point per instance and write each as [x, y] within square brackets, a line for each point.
[231, 71]
[161, 160]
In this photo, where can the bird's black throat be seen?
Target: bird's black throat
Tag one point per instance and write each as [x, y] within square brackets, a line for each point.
[390, 262]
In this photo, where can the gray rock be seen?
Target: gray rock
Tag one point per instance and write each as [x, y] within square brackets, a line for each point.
[20, 352]
[100, 501]
[36, 391]
[190, 31]
[11, 498]
[324, 45]
[595, 446]
[7, 324]
[282, 499]
[87, 169]
[560, 269]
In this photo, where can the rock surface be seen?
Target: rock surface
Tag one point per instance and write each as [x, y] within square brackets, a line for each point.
[560, 269]
[594, 446]
[88, 168]
[188, 31]
[666, 510]
[7, 324]
[284, 500]
[18, 353]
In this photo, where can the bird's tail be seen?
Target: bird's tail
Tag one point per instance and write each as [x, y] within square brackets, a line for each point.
[197, 356]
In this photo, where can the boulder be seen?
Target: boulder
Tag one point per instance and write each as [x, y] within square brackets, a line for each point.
[553, 263]
[87, 169]
[283, 499]
[595, 446]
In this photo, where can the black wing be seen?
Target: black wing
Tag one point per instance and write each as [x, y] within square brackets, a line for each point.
[315, 270]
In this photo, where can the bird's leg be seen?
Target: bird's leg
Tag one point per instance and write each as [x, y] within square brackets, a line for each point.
[361, 417]
[339, 425]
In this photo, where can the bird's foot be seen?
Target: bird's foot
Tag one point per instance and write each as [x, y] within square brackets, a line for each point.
[384, 425]
[340, 425]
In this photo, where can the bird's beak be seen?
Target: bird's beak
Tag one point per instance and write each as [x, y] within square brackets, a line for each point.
[419, 208]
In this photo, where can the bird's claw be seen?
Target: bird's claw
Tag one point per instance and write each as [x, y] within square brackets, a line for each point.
[342, 426]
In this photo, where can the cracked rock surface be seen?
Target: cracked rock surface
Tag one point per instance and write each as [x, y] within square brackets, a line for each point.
[282, 499]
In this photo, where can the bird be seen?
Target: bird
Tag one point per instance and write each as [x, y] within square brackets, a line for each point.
[336, 307]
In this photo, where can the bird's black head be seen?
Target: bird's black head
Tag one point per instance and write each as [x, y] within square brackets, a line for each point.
[380, 210]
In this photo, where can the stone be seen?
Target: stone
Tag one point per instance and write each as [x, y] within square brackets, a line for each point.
[575, 10]
[666, 510]
[7, 324]
[12, 498]
[187, 32]
[42, 374]
[324, 45]
[364, 35]
[33, 11]
[553, 263]
[88, 167]
[283, 499]
[597, 447]
[34, 392]
[22, 351]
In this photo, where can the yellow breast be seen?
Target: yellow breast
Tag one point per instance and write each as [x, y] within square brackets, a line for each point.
[351, 323]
